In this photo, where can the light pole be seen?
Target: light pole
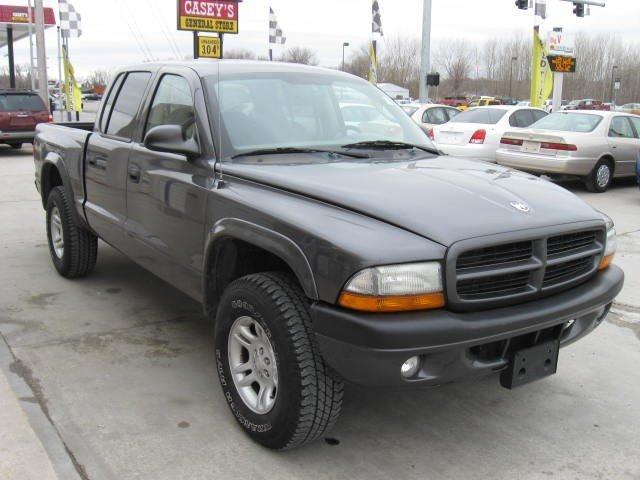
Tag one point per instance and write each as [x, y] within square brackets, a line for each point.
[344, 45]
[425, 57]
[513, 59]
[613, 79]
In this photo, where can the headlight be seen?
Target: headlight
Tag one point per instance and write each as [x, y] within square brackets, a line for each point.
[611, 244]
[395, 288]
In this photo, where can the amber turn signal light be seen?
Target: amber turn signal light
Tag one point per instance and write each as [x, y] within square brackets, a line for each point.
[392, 303]
[606, 262]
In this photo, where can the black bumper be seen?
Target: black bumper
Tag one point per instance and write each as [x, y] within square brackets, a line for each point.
[369, 349]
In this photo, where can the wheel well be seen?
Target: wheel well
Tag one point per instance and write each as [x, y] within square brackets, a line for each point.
[611, 161]
[232, 259]
[50, 179]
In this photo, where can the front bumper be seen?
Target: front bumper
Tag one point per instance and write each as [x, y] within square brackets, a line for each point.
[531, 162]
[369, 349]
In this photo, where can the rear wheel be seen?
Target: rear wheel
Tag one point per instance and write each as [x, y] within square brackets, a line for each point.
[276, 383]
[73, 249]
[600, 178]
[16, 146]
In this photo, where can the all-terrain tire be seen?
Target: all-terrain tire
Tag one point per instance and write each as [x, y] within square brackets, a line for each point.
[80, 247]
[309, 393]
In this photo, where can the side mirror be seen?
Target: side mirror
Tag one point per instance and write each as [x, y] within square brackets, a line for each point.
[171, 139]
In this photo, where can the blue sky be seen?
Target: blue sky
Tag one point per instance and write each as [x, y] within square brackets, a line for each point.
[116, 32]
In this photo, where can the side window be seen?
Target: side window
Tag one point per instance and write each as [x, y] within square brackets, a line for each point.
[121, 121]
[636, 124]
[435, 116]
[173, 105]
[108, 103]
[521, 119]
[621, 128]
[452, 113]
[538, 115]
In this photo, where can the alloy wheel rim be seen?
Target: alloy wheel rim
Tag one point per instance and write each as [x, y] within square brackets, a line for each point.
[57, 237]
[603, 176]
[252, 363]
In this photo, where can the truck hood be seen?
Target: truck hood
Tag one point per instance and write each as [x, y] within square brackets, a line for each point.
[444, 199]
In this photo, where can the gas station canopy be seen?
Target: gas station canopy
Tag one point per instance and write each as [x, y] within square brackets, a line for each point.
[16, 18]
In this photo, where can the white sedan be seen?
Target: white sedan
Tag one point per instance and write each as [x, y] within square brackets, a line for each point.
[476, 133]
[595, 146]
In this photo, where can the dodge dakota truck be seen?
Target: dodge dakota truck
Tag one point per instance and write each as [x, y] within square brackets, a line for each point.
[323, 252]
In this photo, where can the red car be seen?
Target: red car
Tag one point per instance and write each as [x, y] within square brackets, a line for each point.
[20, 112]
[587, 104]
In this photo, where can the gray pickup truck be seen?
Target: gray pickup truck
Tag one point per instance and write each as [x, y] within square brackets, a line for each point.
[324, 250]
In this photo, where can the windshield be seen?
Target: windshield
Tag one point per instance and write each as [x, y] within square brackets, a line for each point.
[569, 122]
[21, 102]
[486, 116]
[262, 111]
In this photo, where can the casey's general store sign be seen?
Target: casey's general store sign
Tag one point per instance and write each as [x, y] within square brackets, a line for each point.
[208, 15]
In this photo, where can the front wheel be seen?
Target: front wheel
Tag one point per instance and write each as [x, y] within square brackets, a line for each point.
[274, 380]
[600, 178]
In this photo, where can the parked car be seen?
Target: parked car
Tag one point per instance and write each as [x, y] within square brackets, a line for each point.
[476, 133]
[322, 253]
[94, 97]
[482, 102]
[594, 146]
[459, 101]
[633, 108]
[20, 112]
[428, 116]
[587, 104]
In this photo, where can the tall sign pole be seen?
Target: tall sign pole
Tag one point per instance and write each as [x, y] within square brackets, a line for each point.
[41, 51]
[425, 64]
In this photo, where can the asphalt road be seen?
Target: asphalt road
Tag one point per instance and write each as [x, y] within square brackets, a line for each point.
[123, 366]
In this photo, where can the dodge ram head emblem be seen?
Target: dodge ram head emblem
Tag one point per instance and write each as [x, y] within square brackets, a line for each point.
[521, 207]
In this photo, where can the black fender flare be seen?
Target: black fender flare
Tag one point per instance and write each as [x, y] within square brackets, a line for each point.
[54, 160]
[276, 243]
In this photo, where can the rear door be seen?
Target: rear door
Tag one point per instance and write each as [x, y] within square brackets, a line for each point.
[166, 192]
[107, 156]
[624, 145]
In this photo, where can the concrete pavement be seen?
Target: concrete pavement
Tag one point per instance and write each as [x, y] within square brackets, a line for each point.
[123, 366]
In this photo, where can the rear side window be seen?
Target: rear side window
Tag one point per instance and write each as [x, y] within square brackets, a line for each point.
[452, 112]
[521, 118]
[435, 116]
[621, 128]
[486, 116]
[121, 121]
[21, 102]
[106, 111]
[636, 124]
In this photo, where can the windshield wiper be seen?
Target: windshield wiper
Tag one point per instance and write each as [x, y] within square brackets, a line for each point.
[389, 145]
[293, 150]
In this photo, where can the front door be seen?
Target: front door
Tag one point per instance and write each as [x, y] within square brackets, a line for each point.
[167, 193]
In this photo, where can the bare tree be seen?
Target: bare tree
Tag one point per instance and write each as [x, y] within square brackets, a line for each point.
[455, 59]
[302, 55]
[240, 54]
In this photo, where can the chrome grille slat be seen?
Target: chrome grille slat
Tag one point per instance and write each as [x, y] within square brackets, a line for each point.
[504, 273]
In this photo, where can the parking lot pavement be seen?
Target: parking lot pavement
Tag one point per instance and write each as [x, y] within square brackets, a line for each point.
[123, 365]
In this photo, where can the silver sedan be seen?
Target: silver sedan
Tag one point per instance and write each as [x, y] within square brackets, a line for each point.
[595, 146]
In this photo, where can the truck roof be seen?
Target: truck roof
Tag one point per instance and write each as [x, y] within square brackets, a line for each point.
[210, 67]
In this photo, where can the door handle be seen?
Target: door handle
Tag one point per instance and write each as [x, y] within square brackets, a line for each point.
[98, 162]
[134, 173]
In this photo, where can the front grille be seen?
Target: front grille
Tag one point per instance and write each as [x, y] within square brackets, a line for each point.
[488, 276]
[485, 257]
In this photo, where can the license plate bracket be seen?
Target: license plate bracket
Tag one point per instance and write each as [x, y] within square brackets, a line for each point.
[530, 147]
[531, 364]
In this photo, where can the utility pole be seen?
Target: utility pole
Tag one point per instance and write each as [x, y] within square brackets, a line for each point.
[31, 72]
[425, 64]
[43, 86]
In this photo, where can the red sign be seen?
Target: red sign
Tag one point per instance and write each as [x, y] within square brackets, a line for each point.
[208, 15]
[16, 14]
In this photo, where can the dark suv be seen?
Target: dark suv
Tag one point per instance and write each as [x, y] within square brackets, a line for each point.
[20, 112]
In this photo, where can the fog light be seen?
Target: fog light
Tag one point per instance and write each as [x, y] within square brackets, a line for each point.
[410, 367]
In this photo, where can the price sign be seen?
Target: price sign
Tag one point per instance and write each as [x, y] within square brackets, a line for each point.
[562, 64]
[209, 47]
